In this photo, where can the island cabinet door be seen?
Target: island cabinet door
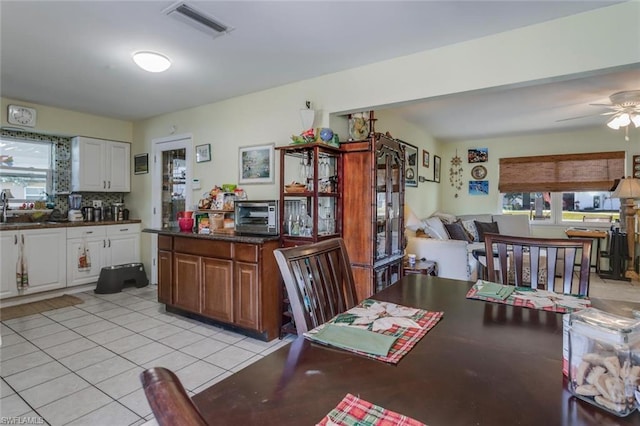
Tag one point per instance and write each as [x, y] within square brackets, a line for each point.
[165, 267]
[217, 288]
[247, 295]
[186, 275]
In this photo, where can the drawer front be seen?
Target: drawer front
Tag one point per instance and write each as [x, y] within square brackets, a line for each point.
[246, 252]
[85, 231]
[125, 228]
[201, 247]
[165, 242]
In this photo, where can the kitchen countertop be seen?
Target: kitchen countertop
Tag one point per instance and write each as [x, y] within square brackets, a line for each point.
[18, 226]
[221, 236]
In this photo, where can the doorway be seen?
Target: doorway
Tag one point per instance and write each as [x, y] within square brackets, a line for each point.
[170, 187]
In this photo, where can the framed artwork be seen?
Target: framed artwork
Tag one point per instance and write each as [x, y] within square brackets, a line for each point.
[425, 158]
[256, 164]
[359, 125]
[478, 155]
[203, 153]
[436, 168]
[478, 187]
[141, 164]
[410, 165]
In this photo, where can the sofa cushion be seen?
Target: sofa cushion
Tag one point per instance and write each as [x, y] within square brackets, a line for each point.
[435, 228]
[470, 226]
[457, 232]
[486, 227]
[445, 217]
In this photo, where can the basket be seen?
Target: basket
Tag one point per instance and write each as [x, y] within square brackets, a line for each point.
[295, 187]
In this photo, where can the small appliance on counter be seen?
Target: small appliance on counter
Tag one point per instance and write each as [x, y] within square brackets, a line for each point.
[256, 217]
[75, 206]
[87, 214]
[117, 211]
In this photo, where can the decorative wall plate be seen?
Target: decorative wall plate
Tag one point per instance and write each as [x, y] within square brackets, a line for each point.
[479, 172]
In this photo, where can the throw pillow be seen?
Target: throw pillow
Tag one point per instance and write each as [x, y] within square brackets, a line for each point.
[444, 217]
[457, 232]
[435, 228]
[486, 227]
[470, 226]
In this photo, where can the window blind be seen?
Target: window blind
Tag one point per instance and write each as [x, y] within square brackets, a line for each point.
[557, 173]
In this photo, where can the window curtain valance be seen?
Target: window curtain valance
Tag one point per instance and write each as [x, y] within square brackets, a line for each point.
[557, 173]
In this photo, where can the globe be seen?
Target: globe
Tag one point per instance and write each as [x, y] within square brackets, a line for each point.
[326, 134]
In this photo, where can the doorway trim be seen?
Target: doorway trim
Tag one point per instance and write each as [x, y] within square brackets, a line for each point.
[183, 141]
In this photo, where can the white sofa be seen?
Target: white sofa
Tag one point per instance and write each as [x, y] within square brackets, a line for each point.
[454, 258]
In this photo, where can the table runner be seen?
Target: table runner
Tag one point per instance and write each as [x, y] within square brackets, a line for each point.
[408, 325]
[535, 299]
[352, 411]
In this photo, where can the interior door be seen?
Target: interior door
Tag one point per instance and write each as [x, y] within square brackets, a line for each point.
[171, 186]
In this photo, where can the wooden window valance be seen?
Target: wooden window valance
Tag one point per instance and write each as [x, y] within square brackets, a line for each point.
[557, 173]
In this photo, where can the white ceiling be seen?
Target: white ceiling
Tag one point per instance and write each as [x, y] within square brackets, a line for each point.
[77, 55]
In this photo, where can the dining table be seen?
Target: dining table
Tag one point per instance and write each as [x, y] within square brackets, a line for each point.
[484, 363]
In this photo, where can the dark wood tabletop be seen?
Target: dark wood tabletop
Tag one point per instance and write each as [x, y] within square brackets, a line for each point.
[483, 364]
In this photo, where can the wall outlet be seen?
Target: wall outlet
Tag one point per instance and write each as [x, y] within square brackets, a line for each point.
[97, 203]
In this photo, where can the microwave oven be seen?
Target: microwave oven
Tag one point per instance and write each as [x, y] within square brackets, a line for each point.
[256, 217]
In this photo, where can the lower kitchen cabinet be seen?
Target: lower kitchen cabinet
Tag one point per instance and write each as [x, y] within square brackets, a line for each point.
[45, 254]
[236, 283]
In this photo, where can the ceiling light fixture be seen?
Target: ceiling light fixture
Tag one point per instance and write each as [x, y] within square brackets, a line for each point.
[151, 61]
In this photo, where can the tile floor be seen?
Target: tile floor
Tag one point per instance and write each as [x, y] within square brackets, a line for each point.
[79, 365]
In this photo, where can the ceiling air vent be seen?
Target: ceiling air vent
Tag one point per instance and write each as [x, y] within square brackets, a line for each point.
[197, 19]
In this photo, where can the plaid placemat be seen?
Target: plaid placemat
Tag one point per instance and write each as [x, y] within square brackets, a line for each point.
[353, 411]
[537, 299]
[373, 315]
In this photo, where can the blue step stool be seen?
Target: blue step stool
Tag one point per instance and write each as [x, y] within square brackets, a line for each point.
[113, 278]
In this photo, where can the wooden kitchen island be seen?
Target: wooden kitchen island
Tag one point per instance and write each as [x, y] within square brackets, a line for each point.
[221, 278]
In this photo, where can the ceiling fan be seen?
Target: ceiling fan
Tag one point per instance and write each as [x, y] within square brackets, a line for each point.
[624, 110]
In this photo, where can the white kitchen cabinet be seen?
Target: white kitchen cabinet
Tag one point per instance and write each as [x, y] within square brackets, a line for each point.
[108, 245]
[123, 243]
[99, 165]
[95, 238]
[45, 253]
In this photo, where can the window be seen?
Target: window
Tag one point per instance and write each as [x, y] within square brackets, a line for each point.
[26, 169]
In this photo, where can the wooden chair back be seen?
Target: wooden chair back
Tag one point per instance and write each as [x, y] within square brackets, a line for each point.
[540, 254]
[319, 281]
[168, 399]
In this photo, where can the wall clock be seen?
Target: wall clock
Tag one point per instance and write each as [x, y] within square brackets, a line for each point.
[21, 115]
[479, 172]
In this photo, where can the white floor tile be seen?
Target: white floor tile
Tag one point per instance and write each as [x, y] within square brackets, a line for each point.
[13, 406]
[70, 348]
[99, 307]
[121, 384]
[145, 304]
[229, 357]
[73, 406]
[5, 331]
[13, 351]
[25, 362]
[55, 339]
[255, 345]
[5, 389]
[86, 358]
[53, 390]
[161, 331]
[114, 313]
[129, 318]
[144, 324]
[25, 323]
[229, 337]
[80, 321]
[213, 381]
[173, 361]
[63, 314]
[127, 343]
[11, 339]
[110, 415]
[96, 327]
[204, 348]
[197, 374]
[110, 335]
[181, 339]
[105, 369]
[150, 422]
[146, 353]
[206, 330]
[137, 402]
[36, 375]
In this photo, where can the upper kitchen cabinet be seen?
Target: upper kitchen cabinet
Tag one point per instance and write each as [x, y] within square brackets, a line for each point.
[99, 165]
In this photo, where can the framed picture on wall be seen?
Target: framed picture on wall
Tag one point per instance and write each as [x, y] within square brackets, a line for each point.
[256, 164]
[425, 158]
[436, 168]
[203, 153]
[141, 164]
[410, 165]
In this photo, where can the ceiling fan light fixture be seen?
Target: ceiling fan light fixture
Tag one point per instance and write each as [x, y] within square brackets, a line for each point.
[614, 123]
[635, 119]
[624, 119]
[151, 61]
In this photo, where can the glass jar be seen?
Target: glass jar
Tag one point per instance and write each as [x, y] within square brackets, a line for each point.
[604, 359]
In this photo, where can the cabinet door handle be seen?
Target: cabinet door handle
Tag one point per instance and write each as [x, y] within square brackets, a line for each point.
[124, 230]
[109, 185]
[104, 243]
[89, 232]
[22, 237]
[15, 239]
[104, 184]
[109, 242]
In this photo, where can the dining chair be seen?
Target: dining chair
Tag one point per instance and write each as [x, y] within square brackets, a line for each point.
[551, 262]
[170, 403]
[319, 281]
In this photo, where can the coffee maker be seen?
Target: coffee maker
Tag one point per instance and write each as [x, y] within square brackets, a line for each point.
[75, 206]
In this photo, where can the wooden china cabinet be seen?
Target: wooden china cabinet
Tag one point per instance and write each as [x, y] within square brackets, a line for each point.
[373, 202]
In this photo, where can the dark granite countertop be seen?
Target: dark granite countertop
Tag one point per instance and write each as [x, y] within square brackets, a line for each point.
[18, 226]
[221, 236]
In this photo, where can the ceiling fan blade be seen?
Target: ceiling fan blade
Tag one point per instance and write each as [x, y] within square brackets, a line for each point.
[576, 118]
[604, 105]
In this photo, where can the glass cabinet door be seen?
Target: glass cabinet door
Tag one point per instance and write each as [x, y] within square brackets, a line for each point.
[174, 170]
[388, 202]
